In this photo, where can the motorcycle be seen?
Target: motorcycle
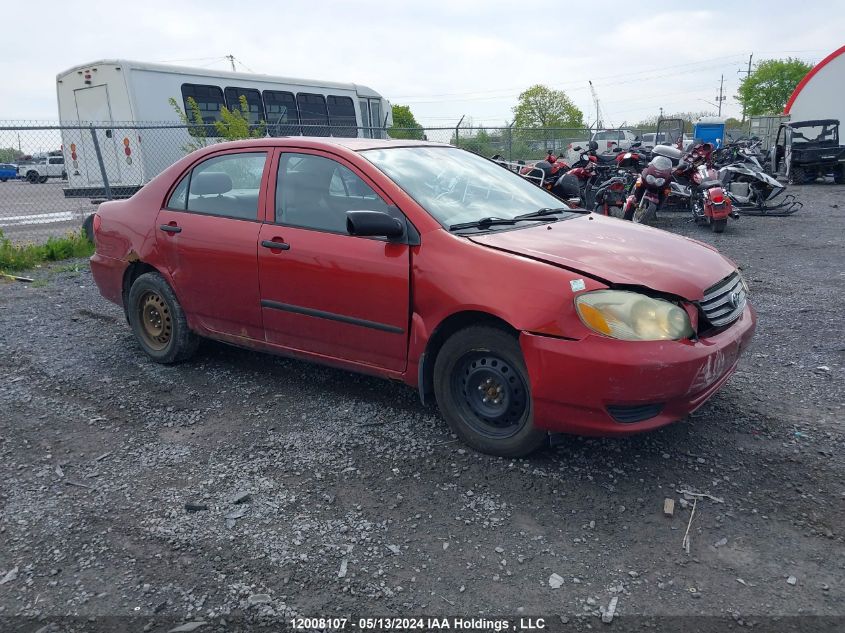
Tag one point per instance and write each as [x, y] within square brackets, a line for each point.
[576, 185]
[695, 180]
[650, 190]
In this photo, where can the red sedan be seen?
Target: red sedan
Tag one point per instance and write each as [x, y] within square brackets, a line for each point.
[427, 264]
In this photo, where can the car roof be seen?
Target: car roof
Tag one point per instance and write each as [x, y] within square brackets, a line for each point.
[317, 142]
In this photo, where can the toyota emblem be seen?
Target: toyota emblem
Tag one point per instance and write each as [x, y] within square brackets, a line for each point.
[735, 299]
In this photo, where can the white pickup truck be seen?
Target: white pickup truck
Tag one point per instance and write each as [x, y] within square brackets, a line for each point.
[38, 170]
[606, 141]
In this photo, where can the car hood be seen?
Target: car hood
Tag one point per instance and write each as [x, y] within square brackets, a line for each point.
[619, 252]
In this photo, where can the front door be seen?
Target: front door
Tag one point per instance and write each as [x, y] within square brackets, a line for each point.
[324, 291]
[208, 235]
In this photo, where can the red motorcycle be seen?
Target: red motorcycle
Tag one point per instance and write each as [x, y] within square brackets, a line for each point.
[545, 172]
[575, 185]
[650, 191]
[696, 180]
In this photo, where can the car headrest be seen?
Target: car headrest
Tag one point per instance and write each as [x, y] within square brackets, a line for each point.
[208, 183]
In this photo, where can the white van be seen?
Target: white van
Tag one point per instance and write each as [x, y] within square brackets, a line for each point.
[134, 95]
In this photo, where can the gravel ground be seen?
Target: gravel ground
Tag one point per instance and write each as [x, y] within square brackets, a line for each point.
[361, 502]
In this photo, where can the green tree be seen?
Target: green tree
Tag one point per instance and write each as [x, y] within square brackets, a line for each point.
[404, 124]
[767, 88]
[9, 154]
[233, 124]
[540, 106]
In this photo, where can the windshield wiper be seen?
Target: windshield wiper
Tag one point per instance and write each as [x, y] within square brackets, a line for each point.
[539, 213]
[482, 223]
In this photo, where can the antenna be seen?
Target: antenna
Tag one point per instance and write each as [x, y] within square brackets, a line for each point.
[231, 59]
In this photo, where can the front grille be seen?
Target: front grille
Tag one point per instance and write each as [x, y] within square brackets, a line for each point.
[635, 413]
[724, 301]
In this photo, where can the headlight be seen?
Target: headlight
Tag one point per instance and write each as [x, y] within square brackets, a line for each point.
[631, 316]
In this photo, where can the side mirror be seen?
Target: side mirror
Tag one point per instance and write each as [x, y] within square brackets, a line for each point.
[373, 224]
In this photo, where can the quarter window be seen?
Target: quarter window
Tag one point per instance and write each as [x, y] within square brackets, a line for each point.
[226, 185]
[282, 113]
[314, 192]
[342, 116]
[255, 108]
[178, 200]
[313, 114]
[209, 101]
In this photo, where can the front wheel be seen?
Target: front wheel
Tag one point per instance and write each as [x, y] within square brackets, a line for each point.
[718, 226]
[32, 177]
[482, 389]
[158, 321]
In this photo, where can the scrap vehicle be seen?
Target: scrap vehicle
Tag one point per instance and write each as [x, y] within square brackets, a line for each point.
[807, 150]
[356, 253]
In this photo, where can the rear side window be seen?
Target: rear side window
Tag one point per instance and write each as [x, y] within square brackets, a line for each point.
[313, 114]
[282, 113]
[209, 101]
[342, 116]
[255, 107]
[58, 160]
[227, 185]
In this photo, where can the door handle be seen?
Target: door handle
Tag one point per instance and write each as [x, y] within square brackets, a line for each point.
[276, 246]
[169, 228]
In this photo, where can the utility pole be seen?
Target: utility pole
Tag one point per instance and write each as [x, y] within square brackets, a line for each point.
[747, 75]
[231, 59]
[721, 97]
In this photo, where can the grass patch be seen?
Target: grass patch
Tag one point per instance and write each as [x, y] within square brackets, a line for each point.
[24, 256]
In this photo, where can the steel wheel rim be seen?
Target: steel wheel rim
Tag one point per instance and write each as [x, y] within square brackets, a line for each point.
[491, 394]
[155, 319]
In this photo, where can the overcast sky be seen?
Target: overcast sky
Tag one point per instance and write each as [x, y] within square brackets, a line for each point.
[443, 58]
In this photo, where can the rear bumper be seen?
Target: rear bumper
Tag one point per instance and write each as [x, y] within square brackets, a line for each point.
[574, 382]
[108, 275]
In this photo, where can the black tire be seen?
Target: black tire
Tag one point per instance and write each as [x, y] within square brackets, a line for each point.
[88, 227]
[32, 177]
[64, 175]
[152, 306]
[718, 226]
[42, 180]
[478, 362]
[3, 179]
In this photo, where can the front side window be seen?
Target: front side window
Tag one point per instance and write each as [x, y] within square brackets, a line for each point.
[455, 186]
[315, 192]
[57, 161]
[226, 185]
[313, 114]
[255, 108]
[209, 100]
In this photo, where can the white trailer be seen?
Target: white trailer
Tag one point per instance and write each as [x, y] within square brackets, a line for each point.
[124, 108]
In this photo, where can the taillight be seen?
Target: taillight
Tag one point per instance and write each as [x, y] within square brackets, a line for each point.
[717, 196]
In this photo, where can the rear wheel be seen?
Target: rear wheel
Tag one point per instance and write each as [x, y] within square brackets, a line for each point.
[483, 391]
[718, 226]
[42, 179]
[158, 321]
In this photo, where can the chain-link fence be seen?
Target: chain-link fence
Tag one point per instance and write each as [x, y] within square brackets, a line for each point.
[53, 176]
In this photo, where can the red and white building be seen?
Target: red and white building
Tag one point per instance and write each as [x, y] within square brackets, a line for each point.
[821, 93]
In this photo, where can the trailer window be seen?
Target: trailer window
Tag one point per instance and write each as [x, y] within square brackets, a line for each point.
[313, 114]
[282, 113]
[253, 102]
[209, 100]
[342, 116]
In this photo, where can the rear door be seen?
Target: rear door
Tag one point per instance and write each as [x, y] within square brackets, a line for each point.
[207, 233]
[93, 106]
[324, 291]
